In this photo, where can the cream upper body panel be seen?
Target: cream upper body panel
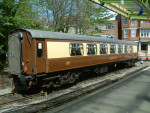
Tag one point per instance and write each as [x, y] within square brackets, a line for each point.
[62, 49]
[57, 49]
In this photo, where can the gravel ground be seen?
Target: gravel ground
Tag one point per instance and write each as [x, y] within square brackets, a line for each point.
[5, 81]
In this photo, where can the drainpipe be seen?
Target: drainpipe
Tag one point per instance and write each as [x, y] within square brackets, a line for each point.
[148, 50]
[139, 51]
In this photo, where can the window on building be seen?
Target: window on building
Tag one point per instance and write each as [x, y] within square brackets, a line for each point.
[103, 49]
[131, 49]
[125, 49]
[144, 46]
[144, 22]
[133, 33]
[76, 49]
[109, 26]
[112, 26]
[125, 21]
[110, 36]
[147, 33]
[125, 33]
[39, 49]
[120, 49]
[132, 22]
[91, 49]
[98, 27]
[144, 32]
[141, 33]
[112, 49]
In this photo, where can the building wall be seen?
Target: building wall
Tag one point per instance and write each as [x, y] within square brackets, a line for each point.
[142, 36]
[129, 25]
[145, 25]
[122, 22]
[105, 31]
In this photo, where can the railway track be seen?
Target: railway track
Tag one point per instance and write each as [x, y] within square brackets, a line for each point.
[11, 98]
[57, 98]
[14, 99]
[7, 94]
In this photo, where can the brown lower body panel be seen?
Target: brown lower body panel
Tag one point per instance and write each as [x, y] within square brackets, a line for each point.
[60, 64]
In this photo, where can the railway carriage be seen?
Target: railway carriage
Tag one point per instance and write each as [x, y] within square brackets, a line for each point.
[49, 59]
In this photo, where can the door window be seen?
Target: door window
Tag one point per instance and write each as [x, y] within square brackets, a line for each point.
[39, 49]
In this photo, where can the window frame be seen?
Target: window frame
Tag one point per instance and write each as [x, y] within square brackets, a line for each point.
[133, 33]
[109, 27]
[144, 33]
[38, 50]
[120, 48]
[125, 33]
[126, 49]
[144, 22]
[90, 48]
[114, 47]
[105, 46]
[81, 49]
[132, 22]
[131, 49]
[125, 21]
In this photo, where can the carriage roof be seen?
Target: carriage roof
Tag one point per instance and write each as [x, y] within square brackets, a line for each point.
[68, 36]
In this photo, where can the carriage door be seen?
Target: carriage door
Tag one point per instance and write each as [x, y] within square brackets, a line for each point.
[41, 57]
[14, 54]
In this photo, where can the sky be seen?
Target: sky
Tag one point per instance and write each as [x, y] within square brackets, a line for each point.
[112, 12]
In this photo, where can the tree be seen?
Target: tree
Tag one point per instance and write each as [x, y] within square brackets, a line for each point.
[89, 14]
[15, 14]
[82, 14]
[57, 13]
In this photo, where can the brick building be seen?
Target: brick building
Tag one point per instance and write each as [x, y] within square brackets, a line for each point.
[138, 31]
[109, 30]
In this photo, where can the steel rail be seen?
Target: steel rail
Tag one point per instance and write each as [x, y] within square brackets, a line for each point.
[19, 99]
[7, 94]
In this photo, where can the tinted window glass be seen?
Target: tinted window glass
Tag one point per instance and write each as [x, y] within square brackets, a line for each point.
[76, 49]
[112, 49]
[120, 49]
[91, 49]
[39, 49]
[103, 49]
[131, 49]
[125, 21]
[125, 49]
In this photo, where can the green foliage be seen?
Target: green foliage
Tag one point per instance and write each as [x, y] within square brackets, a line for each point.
[81, 14]
[15, 14]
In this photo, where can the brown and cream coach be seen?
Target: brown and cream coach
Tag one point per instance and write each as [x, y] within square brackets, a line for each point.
[49, 59]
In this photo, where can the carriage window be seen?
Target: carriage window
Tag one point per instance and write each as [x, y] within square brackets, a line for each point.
[125, 49]
[39, 49]
[131, 49]
[91, 49]
[120, 49]
[103, 49]
[112, 49]
[76, 49]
